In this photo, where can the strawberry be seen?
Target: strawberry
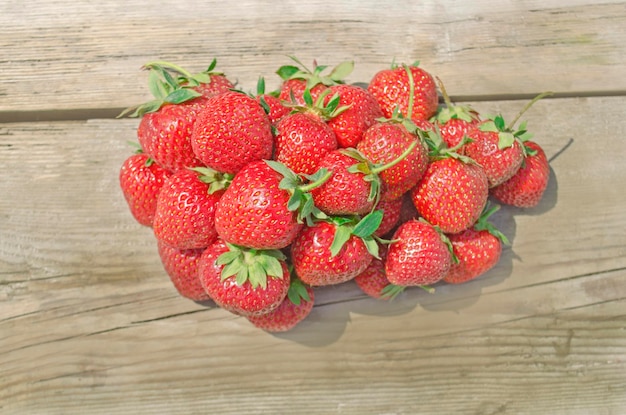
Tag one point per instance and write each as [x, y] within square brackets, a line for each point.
[186, 206]
[419, 255]
[335, 251]
[526, 188]
[182, 267]
[477, 249]
[385, 142]
[303, 138]
[243, 281]
[293, 309]
[373, 281]
[361, 113]
[498, 147]
[260, 207]
[270, 102]
[298, 79]
[232, 131]
[168, 120]
[409, 88]
[454, 121]
[141, 181]
[391, 210]
[451, 194]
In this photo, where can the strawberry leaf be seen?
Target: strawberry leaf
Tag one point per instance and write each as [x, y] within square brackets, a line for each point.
[506, 140]
[297, 292]
[391, 291]
[369, 224]
[341, 71]
[342, 235]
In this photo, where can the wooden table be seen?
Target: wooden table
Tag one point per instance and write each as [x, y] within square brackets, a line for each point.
[90, 324]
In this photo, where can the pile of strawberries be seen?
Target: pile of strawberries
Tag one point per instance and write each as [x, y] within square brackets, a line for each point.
[257, 198]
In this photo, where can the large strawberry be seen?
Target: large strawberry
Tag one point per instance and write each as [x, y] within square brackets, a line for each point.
[408, 88]
[243, 281]
[231, 131]
[262, 207]
[477, 249]
[385, 142]
[419, 255]
[186, 206]
[141, 181]
[362, 111]
[182, 267]
[335, 251]
[452, 193]
[293, 309]
[298, 79]
[526, 188]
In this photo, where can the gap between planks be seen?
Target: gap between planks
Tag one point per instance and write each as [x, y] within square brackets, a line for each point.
[111, 113]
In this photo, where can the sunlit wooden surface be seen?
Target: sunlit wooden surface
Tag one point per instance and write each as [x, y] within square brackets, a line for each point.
[90, 324]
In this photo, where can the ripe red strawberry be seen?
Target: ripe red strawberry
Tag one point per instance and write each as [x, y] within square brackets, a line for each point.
[451, 194]
[263, 206]
[329, 253]
[500, 159]
[141, 181]
[182, 267]
[232, 131]
[362, 112]
[477, 249]
[526, 188]
[345, 192]
[295, 307]
[383, 143]
[391, 215]
[419, 255]
[302, 139]
[393, 87]
[273, 106]
[185, 213]
[454, 121]
[244, 282]
[298, 79]
[373, 281]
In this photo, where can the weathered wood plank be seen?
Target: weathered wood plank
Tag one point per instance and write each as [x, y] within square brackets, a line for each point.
[56, 64]
[90, 323]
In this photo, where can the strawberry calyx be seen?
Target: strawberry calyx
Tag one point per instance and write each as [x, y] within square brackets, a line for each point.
[507, 133]
[363, 228]
[297, 291]
[216, 180]
[452, 111]
[316, 76]
[444, 239]
[438, 149]
[185, 77]
[165, 88]
[301, 200]
[251, 265]
[483, 223]
[324, 111]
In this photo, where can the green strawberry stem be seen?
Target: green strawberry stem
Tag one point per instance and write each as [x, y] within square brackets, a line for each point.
[380, 168]
[444, 93]
[526, 107]
[320, 178]
[483, 223]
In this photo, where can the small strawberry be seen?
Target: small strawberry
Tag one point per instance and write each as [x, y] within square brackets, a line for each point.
[141, 181]
[335, 251]
[391, 210]
[295, 307]
[373, 280]
[361, 113]
[452, 193]
[477, 249]
[498, 147]
[244, 281]
[264, 206]
[526, 188]
[385, 142]
[182, 267]
[186, 206]
[419, 255]
[167, 121]
[270, 102]
[393, 88]
[231, 131]
[298, 79]
[454, 121]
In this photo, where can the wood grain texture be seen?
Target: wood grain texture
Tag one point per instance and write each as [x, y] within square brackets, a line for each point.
[90, 324]
[79, 59]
